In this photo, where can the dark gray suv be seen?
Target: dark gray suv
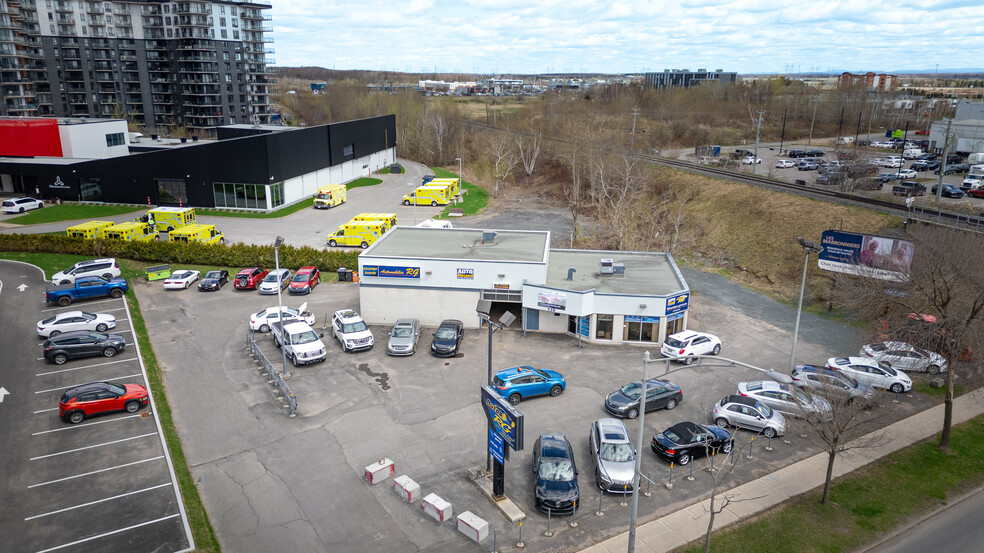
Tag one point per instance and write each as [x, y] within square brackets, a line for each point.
[82, 343]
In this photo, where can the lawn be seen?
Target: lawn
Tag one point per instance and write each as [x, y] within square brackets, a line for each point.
[71, 212]
[475, 197]
[293, 208]
[364, 181]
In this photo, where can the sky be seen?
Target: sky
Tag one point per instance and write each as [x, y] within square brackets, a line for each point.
[579, 36]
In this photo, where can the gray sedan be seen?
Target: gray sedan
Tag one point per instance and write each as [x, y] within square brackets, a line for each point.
[613, 455]
[403, 338]
[786, 399]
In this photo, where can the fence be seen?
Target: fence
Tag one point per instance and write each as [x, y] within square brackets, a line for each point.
[282, 390]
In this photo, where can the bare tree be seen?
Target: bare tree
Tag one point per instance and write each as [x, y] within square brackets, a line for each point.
[503, 156]
[528, 145]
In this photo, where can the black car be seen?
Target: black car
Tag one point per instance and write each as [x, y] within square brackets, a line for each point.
[555, 474]
[796, 153]
[687, 440]
[949, 191]
[448, 338]
[661, 394]
[815, 153]
[81, 343]
[831, 178]
[953, 159]
[953, 168]
[926, 157]
[925, 165]
[213, 280]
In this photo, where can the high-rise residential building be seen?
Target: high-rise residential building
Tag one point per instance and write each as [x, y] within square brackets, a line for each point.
[160, 64]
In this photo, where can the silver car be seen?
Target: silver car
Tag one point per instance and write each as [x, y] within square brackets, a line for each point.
[786, 399]
[831, 383]
[613, 455]
[746, 412]
[901, 355]
[403, 338]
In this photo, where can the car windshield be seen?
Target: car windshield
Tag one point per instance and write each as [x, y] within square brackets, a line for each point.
[302, 278]
[446, 333]
[765, 410]
[116, 389]
[213, 274]
[618, 453]
[305, 337]
[272, 277]
[48, 321]
[632, 390]
[402, 332]
[887, 368]
[354, 327]
[556, 469]
[674, 343]
[181, 274]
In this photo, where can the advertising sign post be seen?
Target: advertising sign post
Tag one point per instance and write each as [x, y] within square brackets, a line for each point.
[506, 427]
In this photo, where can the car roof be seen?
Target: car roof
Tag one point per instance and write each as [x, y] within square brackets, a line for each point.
[686, 335]
[554, 445]
[94, 261]
[73, 334]
[733, 398]
[404, 322]
[613, 430]
[87, 387]
[451, 322]
[844, 361]
[764, 385]
[513, 372]
[685, 430]
[347, 314]
[306, 270]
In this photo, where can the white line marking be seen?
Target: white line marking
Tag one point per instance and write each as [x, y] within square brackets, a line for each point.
[92, 446]
[61, 388]
[109, 533]
[86, 367]
[98, 501]
[45, 410]
[94, 472]
[84, 425]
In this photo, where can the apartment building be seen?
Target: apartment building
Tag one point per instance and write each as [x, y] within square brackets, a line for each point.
[195, 63]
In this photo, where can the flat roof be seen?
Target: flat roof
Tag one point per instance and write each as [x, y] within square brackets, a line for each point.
[646, 273]
[461, 243]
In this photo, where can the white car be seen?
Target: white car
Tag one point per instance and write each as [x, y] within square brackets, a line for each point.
[683, 346]
[876, 161]
[907, 174]
[784, 163]
[275, 281]
[261, 320]
[750, 160]
[352, 332]
[874, 373]
[20, 205]
[75, 320]
[900, 355]
[106, 268]
[892, 163]
[180, 280]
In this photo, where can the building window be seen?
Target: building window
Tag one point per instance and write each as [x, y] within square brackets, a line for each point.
[115, 139]
[348, 150]
[247, 196]
[224, 33]
[640, 329]
[603, 328]
[222, 19]
[169, 191]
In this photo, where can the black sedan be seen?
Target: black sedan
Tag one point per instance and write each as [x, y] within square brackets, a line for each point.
[661, 394]
[447, 339]
[81, 343]
[555, 474]
[949, 191]
[213, 280]
[687, 440]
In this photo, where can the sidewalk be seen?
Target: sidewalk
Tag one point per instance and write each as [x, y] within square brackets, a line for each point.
[690, 524]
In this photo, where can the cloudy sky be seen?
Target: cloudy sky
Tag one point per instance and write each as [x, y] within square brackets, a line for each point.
[544, 36]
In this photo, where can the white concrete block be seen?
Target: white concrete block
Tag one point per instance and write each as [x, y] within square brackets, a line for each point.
[380, 470]
[472, 526]
[436, 507]
[406, 488]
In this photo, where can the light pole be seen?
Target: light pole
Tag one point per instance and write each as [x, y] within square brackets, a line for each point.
[637, 478]
[809, 247]
[280, 306]
[458, 159]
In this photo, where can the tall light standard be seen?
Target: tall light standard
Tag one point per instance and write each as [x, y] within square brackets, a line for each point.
[280, 306]
[458, 159]
[637, 478]
[809, 247]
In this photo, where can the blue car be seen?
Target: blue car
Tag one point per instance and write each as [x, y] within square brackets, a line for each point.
[519, 383]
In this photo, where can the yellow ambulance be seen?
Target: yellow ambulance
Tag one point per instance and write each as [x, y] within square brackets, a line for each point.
[131, 232]
[389, 219]
[89, 229]
[330, 196]
[357, 233]
[166, 219]
[428, 195]
[453, 182]
[204, 234]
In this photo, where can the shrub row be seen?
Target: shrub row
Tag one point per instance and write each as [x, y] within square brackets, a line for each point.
[236, 255]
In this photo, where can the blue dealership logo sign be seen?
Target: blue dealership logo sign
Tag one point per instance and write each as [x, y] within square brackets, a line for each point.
[503, 419]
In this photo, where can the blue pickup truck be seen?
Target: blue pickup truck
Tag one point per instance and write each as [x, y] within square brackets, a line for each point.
[86, 288]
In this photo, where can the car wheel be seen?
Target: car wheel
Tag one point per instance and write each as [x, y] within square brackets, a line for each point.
[556, 391]
[54, 333]
[670, 404]
[276, 342]
[109, 352]
[716, 350]
[264, 328]
[76, 417]
[60, 359]
[406, 202]
[107, 276]
[721, 422]
[132, 406]
[101, 327]
[116, 293]
[683, 460]
[64, 282]
[933, 369]
[515, 399]
[21, 210]
[433, 203]
[364, 244]
[332, 243]
[769, 432]
[293, 360]
[633, 413]
[40, 205]
[896, 388]
[688, 360]
[727, 448]
[64, 300]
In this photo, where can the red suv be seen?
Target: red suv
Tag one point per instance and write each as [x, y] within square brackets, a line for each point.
[101, 397]
[304, 281]
[249, 278]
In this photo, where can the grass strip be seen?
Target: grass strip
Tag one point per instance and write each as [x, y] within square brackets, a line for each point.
[293, 208]
[364, 181]
[71, 212]
[475, 198]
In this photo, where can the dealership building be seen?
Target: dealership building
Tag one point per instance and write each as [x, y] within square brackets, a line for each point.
[601, 296]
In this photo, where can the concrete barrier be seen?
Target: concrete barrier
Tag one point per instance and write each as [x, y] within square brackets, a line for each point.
[380, 470]
[472, 526]
[436, 507]
[406, 488]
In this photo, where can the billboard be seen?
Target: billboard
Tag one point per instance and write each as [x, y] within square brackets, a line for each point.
[866, 255]
[503, 419]
[551, 300]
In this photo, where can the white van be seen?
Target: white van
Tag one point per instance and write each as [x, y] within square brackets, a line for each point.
[911, 153]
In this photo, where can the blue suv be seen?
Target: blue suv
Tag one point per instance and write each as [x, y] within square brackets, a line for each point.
[519, 383]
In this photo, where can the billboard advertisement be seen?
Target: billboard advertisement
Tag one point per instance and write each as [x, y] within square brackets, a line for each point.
[551, 300]
[866, 255]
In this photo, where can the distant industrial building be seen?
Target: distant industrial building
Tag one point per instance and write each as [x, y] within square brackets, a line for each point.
[686, 78]
[966, 129]
[869, 80]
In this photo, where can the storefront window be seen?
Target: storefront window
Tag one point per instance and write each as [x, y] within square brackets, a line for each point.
[247, 196]
[675, 325]
[603, 329]
[640, 329]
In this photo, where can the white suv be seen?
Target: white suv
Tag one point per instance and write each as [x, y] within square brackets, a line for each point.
[352, 332]
[106, 268]
[683, 346]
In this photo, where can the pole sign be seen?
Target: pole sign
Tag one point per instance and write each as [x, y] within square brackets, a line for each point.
[503, 419]
[497, 446]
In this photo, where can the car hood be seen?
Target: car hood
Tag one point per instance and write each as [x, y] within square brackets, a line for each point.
[269, 284]
[617, 471]
[358, 335]
[618, 399]
[444, 343]
[400, 340]
[556, 490]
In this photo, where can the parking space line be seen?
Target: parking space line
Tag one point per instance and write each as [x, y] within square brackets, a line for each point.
[149, 522]
[85, 425]
[46, 410]
[61, 388]
[166, 484]
[90, 473]
[86, 367]
[75, 307]
[93, 446]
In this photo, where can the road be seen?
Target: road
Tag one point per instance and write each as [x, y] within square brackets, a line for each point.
[954, 529]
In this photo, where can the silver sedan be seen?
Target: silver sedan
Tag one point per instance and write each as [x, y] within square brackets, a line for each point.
[613, 455]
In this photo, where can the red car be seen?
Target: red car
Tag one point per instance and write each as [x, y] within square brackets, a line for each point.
[922, 131]
[304, 281]
[101, 397]
[976, 192]
[249, 278]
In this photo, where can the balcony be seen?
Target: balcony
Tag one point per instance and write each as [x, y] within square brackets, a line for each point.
[193, 21]
[153, 22]
[65, 20]
[63, 7]
[67, 31]
[94, 7]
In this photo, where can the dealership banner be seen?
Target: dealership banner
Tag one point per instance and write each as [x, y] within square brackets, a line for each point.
[387, 271]
[551, 300]
[866, 255]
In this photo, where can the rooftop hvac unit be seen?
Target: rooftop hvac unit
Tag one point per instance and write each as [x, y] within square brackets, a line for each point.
[619, 268]
[488, 237]
[607, 266]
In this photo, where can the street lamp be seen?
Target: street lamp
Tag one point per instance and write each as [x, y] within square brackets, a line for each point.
[280, 306]
[458, 159]
[809, 247]
[637, 477]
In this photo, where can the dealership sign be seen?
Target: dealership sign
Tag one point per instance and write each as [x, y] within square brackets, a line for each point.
[388, 271]
[466, 274]
[551, 300]
[866, 255]
[677, 303]
[503, 419]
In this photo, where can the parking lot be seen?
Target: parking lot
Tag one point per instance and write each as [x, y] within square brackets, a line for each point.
[272, 482]
[103, 485]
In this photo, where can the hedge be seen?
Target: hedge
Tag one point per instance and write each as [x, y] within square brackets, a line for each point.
[235, 255]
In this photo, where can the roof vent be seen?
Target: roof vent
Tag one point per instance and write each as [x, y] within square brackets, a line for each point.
[488, 236]
[570, 273]
[607, 266]
[619, 268]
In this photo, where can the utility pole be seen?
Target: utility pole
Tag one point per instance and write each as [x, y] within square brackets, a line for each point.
[946, 147]
[782, 135]
[813, 119]
[758, 129]
[635, 112]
